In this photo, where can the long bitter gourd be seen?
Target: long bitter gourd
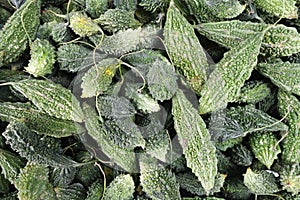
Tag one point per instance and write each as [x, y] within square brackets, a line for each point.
[225, 82]
[18, 31]
[184, 49]
[194, 139]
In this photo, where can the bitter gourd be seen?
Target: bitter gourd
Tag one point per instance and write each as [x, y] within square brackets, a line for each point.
[96, 7]
[251, 119]
[279, 40]
[241, 155]
[19, 29]
[284, 75]
[230, 74]
[123, 157]
[35, 148]
[122, 187]
[184, 49]
[38, 121]
[42, 58]
[51, 98]
[82, 25]
[289, 106]
[33, 183]
[10, 164]
[129, 40]
[280, 8]
[70, 56]
[74, 191]
[195, 141]
[95, 191]
[114, 20]
[265, 147]
[254, 91]
[158, 182]
[260, 182]
[189, 182]
[214, 10]
[290, 178]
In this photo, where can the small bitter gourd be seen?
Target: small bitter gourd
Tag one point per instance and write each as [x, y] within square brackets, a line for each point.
[122, 187]
[114, 20]
[18, 31]
[158, 182]
[33, 183]
[265, 147]
[42, 58]
[260, 182]
[38, 121]
[82, 25]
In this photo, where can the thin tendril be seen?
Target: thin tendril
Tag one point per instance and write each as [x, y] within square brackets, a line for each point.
[23, 25]
[97, 46]
[104, 179]
[141, 75]
[267, 126]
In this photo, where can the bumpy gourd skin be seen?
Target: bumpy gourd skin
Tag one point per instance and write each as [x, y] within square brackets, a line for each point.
[18, 30]
[184, 49]
[42, 58]
[280, 8]
[289, 106]
[194, 139]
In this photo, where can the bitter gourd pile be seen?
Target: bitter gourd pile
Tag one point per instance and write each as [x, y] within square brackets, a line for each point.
[149, 99]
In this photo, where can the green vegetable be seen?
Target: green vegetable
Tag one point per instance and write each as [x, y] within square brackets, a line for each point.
[184, 49]
[189, 182]
[289, 107]
[225, 82]
[128, 40]
[95, 191]
[75, 191]
[261, 182]
[158, 182]
[284, 75]
[284, 9]
[10, 165]
[290, 178]
[122, 187]
[265, 147]
[18, 31]
[94, 125]
[42, 58]
[208, 11]
[51, 98]
[253, 92]
[70, 55]
[35, 148]
[241, 155]
[33, 183]
[98, 78]
[114, 20]
[96, 7]
[38, 121]
[195, 141]
[82, 25]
